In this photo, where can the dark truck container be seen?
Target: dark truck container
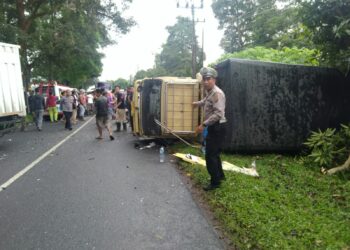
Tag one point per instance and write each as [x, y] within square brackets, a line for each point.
[274, 107]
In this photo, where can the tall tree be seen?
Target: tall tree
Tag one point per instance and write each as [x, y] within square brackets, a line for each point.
[176, 55]
[63, 34]
[272, 24]
[255, 23]
[329, 21]
[235, 18]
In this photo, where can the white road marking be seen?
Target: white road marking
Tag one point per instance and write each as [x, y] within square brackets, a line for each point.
[31, 165]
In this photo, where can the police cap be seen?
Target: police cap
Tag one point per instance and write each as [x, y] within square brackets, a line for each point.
[207, 71]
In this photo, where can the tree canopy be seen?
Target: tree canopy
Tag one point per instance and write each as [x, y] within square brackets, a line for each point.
[59, 38]
[322, 25]
[175, 58]
[329, 21]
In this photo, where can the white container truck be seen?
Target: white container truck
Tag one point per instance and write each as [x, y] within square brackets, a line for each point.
[12, 102]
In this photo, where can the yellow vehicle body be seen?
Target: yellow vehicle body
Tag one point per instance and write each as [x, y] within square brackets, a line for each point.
[135, 108]
[168, 100]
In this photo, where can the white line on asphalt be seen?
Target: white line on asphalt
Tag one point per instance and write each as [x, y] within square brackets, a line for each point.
[31, 165]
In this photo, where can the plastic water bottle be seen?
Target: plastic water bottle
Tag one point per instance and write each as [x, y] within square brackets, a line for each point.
[161, 154]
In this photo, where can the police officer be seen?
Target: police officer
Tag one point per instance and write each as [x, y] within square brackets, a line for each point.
[214, 119]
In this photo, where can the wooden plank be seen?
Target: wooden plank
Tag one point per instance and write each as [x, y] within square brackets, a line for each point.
[178, 122]
[179, 107]
[180, 115]
[181, 99]
[178, 128]
[182, 91]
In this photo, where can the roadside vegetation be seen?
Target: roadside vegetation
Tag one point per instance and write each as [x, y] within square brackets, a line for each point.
[286, 55]
[291, 206]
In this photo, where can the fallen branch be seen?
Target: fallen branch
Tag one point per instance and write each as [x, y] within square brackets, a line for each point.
[346, 165]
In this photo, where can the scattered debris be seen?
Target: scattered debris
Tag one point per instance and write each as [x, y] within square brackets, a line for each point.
[225, 165]
[3, 157]
[151, 145]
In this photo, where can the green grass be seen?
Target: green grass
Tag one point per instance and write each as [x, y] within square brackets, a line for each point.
[289, 207]
[29, 118]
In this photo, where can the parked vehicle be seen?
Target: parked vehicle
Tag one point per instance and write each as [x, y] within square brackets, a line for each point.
[168, 100]
[12, 101]
[56, 89]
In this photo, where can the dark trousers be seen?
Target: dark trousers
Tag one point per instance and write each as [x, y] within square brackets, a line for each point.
[68, 115]
[132, 123]
[214, 142]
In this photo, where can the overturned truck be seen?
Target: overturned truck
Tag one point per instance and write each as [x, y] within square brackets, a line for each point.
[274, 106]
[270, 107]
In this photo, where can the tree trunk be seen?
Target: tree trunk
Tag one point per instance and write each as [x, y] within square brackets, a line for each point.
[346, 165]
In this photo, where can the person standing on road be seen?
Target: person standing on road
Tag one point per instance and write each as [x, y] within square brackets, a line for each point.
[120, 106]
[215, 121]
[129, 97]
[38, 108]
[67, 108]
[82, 104]
[102, 115]
[51, 106]
[75, 107]
[110, 102]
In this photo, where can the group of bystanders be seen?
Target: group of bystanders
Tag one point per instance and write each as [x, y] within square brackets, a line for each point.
[113, 105]
[72, 104]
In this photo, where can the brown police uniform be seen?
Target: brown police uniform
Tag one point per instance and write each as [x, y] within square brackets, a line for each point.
[214, 119]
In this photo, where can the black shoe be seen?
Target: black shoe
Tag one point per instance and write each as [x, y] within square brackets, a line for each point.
[118, 127]
[211, 187]
[70, 128]
[111, 137]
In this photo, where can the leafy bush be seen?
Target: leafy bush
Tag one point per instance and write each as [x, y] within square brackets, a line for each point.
[286, 55]
[329, 147]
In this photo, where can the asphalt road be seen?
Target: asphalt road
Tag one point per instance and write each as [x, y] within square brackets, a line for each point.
[90, 194]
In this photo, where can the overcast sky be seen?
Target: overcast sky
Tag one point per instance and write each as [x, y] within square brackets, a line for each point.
[136, 50]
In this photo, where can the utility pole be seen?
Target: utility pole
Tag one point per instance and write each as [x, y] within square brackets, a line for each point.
[194, 44]
[203, 46]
